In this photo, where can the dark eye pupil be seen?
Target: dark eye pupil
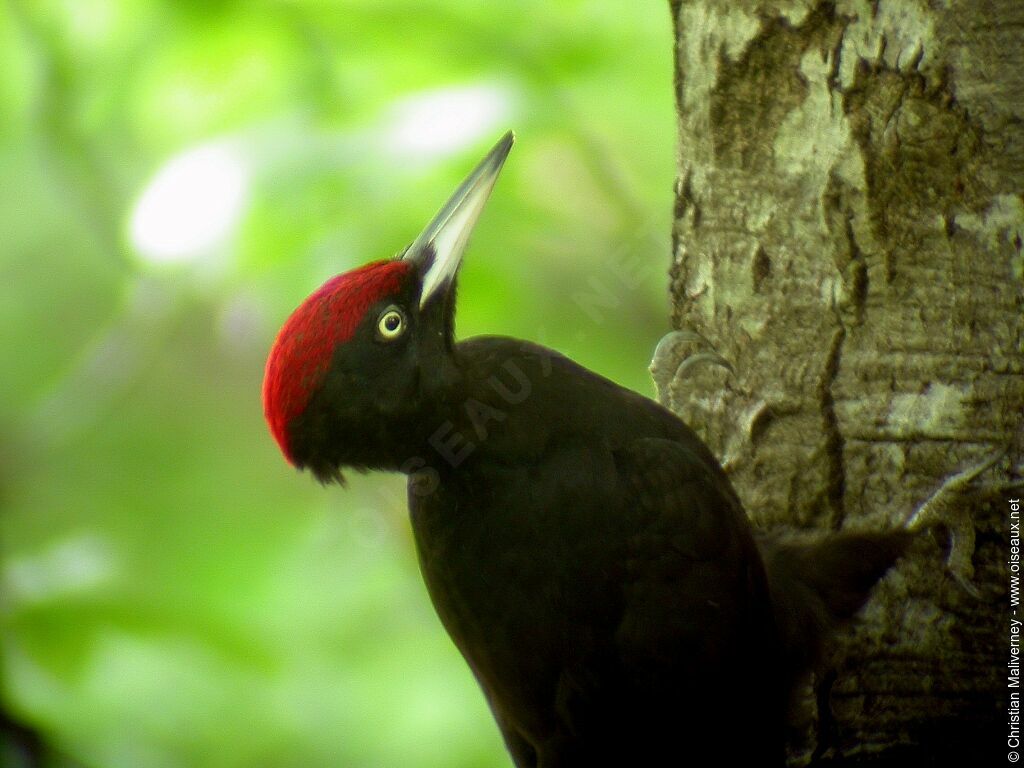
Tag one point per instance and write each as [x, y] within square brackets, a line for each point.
[391, 322]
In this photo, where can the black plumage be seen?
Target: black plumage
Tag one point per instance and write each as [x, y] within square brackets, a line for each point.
[583, 548]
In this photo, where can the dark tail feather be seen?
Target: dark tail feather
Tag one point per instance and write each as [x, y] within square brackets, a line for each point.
[817, 585]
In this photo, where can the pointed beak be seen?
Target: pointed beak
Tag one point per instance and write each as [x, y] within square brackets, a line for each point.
[438, 250]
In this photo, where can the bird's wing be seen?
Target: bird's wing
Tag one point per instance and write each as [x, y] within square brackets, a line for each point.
[693, 578]
[695, 632]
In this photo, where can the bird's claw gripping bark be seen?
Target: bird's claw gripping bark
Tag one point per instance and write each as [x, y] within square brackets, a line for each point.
[941, 509]
[672, 361]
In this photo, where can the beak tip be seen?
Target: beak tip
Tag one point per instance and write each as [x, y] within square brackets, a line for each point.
[500, 152]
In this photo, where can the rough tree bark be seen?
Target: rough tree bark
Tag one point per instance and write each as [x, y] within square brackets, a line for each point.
[848, 234]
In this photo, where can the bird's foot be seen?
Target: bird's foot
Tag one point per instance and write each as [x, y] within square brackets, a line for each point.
[941, 508]
[675, 357]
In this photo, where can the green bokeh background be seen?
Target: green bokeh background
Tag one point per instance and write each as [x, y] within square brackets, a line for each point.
[173, 594]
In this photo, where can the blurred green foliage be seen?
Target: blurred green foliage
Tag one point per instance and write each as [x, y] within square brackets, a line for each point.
[172, 593]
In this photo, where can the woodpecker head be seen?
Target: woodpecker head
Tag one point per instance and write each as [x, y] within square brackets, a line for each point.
[355, 368]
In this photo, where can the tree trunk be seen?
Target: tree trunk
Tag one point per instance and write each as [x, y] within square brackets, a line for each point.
[848, 234]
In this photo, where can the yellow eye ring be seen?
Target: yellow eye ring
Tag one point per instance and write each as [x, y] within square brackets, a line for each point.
[391, 324]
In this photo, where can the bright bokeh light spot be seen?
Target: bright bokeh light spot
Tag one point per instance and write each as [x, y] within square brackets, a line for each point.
[191, 205]
[77, 564]
[89, 21]
[445, 120]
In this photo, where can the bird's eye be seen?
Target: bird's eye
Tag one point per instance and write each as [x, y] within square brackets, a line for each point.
[391, 324]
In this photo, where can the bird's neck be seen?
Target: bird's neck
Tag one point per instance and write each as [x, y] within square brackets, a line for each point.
[494, 403]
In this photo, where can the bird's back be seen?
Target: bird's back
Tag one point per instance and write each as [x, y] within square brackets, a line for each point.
[594, 566]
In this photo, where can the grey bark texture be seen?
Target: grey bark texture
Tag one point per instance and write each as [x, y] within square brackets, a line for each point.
[848, 229]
